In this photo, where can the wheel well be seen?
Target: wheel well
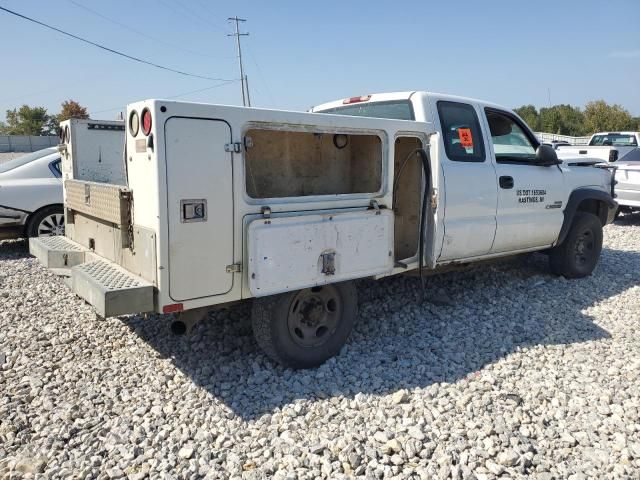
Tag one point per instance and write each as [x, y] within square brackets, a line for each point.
[595, 207]
[35, 212]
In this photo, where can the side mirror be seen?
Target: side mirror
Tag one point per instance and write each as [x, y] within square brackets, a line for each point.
[546, 156]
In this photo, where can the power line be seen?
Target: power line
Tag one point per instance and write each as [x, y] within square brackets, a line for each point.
[187, 14]
[139, 60]
[264, 80]
[197, 15]
[174, 96]
[142, 34]
[212, 14]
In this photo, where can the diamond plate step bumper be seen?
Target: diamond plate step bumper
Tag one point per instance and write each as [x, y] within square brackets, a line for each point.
[111, 289]
[57, 252]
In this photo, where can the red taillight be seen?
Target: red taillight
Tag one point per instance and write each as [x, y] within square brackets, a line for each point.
[174, 307]
[146, 121]
[363, 98]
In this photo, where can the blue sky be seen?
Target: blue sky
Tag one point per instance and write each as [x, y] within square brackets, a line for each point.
[301, 54]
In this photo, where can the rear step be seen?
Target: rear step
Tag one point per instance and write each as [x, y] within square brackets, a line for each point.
[57, 252]
[109, 288]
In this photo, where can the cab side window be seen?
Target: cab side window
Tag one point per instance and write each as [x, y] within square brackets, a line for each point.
[511, 143]
[461, 132]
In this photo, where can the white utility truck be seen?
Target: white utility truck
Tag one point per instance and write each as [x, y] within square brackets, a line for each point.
[223, 204]
[603, 146]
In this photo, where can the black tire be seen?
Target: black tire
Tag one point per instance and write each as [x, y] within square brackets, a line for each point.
[303, 329]
[46, 222]
[578, 255]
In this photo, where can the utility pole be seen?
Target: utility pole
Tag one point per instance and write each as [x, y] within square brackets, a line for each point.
[243, 78]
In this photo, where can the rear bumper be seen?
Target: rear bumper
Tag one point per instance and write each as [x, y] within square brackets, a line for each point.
[109, 288]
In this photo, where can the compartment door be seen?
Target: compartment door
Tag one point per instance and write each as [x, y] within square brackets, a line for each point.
[290, 253]
[200, 207]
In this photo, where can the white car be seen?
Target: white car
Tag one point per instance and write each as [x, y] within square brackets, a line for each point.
[31, 195]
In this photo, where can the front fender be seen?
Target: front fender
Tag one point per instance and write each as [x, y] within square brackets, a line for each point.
[576, 198]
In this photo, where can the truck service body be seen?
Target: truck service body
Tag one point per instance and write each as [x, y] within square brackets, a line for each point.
[227, 203]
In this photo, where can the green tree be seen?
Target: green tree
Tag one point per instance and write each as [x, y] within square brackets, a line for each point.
[563, 120]
[27, 121]
[601, 117]
[71, 109]
[529, 114]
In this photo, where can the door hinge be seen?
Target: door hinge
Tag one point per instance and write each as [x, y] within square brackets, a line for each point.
[376, 206]
[266, 212]
[233, 147]
[434, 199]
[234, 268]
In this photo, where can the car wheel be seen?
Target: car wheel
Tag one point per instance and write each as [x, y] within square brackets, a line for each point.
[46, 222]
[578, 255]
[303, 329]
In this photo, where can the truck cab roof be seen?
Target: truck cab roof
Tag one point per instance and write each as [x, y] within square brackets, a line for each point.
[410, 96]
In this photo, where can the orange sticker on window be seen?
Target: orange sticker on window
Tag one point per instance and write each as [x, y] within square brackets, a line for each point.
[466, 139]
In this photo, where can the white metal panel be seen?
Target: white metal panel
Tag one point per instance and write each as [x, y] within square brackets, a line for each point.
[95, 151]
[199, 168]
[285, 253]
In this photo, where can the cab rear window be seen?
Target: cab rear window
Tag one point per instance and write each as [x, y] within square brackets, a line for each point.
[614, 139]
[397, 110]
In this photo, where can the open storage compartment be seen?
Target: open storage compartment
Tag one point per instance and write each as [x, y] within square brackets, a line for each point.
[280, 163]
[407, 197]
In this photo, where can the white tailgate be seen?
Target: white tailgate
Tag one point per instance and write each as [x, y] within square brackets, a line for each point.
[289, 253]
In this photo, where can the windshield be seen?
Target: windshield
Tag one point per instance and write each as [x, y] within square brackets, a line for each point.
[396, 109]
[614, 139]
[23, 160]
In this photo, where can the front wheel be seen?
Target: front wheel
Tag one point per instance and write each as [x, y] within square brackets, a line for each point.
[46, 222]
[303, 329]
[578, 254]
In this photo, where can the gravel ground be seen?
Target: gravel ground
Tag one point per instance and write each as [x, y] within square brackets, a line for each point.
[522, 375]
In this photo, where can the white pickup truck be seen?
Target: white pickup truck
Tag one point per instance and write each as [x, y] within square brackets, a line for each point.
[224, 204]
[603, 146]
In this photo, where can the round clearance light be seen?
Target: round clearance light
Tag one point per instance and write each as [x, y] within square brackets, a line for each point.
[134, 123]
[340, 140]
[146, 121]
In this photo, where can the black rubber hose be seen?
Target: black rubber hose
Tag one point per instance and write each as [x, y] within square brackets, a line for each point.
[423, 211]
[424, 156]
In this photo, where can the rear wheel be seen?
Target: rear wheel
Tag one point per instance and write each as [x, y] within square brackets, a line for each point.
[46, 222]
[303, 329]
[578, 255]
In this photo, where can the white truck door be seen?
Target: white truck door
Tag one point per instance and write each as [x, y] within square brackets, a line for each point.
[200, 207]
[530, 196]
[470, 190]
